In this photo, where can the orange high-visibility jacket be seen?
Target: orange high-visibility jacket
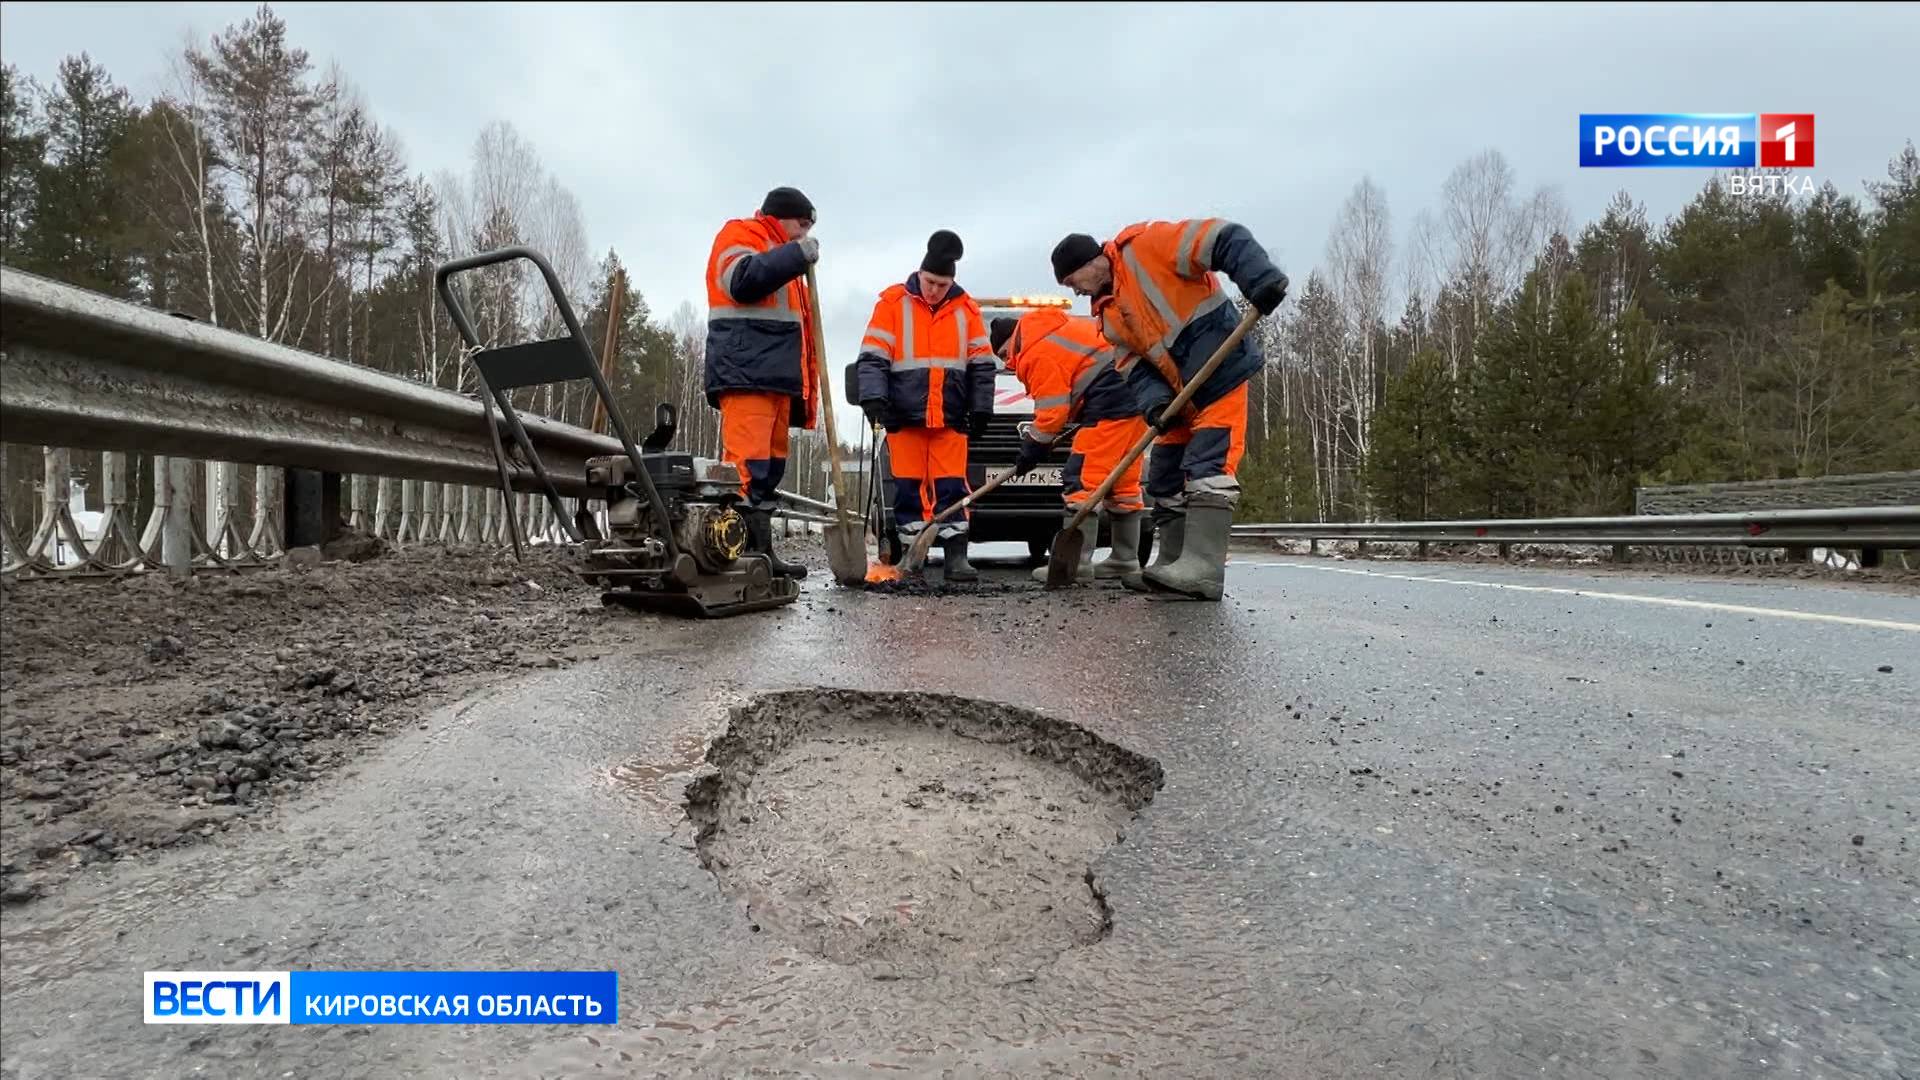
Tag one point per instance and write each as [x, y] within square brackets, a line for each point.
[932, 367]
[1070, 370]
[757, 333]
[1166, 306]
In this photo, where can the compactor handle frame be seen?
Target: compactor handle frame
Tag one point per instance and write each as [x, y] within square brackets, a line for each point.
[502, 369]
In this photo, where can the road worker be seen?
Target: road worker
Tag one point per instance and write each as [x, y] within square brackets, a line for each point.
[1155, 295]
[761, 372]
[925, 373]
[1073, 375]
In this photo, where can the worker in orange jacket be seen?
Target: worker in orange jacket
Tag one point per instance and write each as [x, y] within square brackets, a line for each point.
[925, 373]
[1155, 294]
[760, 368]
[1074, 376]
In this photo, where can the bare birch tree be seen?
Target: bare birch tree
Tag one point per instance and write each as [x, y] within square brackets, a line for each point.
[262, 109]
[1359, 255]
[188, 168]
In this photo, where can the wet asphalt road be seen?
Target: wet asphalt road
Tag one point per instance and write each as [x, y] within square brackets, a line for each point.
[1440, 827]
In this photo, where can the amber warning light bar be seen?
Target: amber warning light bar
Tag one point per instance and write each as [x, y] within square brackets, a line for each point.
[1024, 301]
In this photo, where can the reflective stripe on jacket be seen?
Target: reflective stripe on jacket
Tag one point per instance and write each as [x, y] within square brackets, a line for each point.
[1166, 307]
[932, 366]
[1070, 371]
[757, 337]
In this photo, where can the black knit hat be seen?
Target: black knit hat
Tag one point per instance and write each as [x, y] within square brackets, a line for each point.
[943, 253]
[1072, 253]
[786, 202]
[1000, 330]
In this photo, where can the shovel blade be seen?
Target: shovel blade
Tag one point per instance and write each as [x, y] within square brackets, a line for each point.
[916, 556]
[847, 554]
[1064, 559]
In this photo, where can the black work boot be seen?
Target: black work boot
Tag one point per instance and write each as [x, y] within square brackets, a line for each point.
[760, 541]
[957, 566]
[1201, 570]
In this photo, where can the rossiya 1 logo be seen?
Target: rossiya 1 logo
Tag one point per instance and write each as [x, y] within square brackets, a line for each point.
[1703, 141]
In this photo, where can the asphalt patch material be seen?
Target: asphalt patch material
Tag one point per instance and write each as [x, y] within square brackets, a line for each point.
[912, 834]
[913, 585]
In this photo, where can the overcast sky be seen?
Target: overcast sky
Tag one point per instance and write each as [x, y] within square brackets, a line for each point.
[1014, 124]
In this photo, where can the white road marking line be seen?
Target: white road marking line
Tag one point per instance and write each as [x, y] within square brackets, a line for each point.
[1738, 609]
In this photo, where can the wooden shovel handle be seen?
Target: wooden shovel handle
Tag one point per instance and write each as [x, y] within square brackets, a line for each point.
[826, 402]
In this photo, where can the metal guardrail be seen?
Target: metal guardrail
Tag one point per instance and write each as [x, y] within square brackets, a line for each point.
[1871, 530]
[88, 372]
[84, 372]
[805, 503]
[796, 507]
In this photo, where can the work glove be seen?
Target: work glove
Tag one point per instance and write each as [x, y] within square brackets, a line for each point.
[810, 248]
[1267, 298]
[977, 424]
[1031, 454]
[876, 410]
[1156, 418]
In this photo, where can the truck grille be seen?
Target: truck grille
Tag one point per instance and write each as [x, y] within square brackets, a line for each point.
[997, 449]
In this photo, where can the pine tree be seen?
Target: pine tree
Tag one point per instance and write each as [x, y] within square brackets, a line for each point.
[263, 108]
[1829, 232]
[82, 215]
[1408, 339]
[1535, 382]
[1414, 438]
[1277, 481]
[1615, 255]
[23, 142]
[179, 230]
[1631, 424]
[1893, 248]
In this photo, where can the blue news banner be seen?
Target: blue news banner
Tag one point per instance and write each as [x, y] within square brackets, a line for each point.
[382, 997]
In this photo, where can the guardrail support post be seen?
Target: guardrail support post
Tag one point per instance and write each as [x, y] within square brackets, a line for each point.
[1506, 551]
[407, 531]
[56, 528]
[223, 511]
[1313, 545]
[176, 528]
[117, 543]
[1423, 549]
[382, 505]
[1620, 554]
[269, 536]
[1869, 558]
[312, 507]
[1799, 554]
[1360, 548]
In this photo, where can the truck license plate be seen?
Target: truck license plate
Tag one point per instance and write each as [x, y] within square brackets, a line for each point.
[1043, 476]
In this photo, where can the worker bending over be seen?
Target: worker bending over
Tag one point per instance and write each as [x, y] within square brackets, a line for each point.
[925, 373]
[1155, 296]
[761, 372]
[1073, 376]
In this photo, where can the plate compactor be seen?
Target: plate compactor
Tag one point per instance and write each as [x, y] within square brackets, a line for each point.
[678, 541]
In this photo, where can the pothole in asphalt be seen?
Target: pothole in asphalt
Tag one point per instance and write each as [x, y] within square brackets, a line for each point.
[911, 834]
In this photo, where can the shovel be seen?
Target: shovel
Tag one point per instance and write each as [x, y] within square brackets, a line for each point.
[1067, 543]
[846, 543]
[916, 556]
